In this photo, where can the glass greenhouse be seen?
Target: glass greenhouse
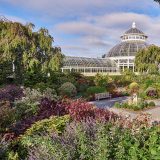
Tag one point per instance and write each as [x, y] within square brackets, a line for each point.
[124, 53]
[88, 65]
[117, 59]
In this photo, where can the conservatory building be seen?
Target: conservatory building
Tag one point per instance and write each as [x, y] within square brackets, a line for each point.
[120, 57]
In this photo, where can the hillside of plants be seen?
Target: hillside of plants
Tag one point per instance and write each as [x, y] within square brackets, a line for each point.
[45, 114]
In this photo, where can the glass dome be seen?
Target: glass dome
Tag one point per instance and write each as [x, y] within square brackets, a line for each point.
[126, 49]
[132, 41]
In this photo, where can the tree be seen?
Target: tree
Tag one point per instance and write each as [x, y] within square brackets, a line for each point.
[101, 80]
[56, 60]
[157, 1]
[27, 49]
[148, 60]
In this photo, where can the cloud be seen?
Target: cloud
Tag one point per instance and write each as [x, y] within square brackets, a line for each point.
[72, 8]
[80, 28]
[90, 27]
[103, 32]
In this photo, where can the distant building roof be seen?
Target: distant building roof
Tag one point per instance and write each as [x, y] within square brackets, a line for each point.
[87, 62]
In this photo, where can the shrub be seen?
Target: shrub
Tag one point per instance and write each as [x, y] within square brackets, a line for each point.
[25, 110]
[139, 106]
[95, 89]
[7, 116]
[32, 95]
[143, 105]
[53, 124]
[82, 84]
[10, 93]
[68, 89]
[117, 105]
[134, 87]
[50, 94]
[151, 104]
[42, 86]
[28, 105]
[151, 92]
[46, 109]
[32, 137]
[101, 80]
[97, 141]
[80, 110]
[51, 108]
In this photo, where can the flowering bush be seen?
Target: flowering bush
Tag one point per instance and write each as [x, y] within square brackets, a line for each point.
[68, 89]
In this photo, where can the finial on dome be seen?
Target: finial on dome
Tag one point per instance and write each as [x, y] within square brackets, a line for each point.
[134, 25]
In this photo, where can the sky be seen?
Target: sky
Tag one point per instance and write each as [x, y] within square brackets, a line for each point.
[86, 28]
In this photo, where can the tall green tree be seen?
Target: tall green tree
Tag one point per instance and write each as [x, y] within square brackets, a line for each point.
[148, 60]
[27, 49]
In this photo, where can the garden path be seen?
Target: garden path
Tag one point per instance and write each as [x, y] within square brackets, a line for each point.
[109, 103]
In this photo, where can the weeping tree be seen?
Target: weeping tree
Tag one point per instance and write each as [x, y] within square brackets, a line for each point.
[148, 60]
[27, 49]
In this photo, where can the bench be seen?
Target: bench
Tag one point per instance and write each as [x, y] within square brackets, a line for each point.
[99, 96]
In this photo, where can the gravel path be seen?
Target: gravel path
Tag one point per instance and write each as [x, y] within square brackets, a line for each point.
[109, 102]
[154, 112]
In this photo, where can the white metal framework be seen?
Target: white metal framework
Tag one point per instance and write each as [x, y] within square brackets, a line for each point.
[89, 65]
[124, 53]
[118, 58]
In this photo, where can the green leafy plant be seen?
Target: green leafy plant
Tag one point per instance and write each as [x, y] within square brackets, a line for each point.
[95, 89]
[53, 124]
[134, 87]
[68, 89]
[101, 80]
[151, 104]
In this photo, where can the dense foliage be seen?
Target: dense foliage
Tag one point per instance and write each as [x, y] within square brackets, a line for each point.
[148, 60]
[10, 93]
[27, 50]
[68, 89]
[93, 140]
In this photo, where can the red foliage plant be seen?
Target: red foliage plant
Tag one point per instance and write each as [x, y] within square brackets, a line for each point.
[80, 110]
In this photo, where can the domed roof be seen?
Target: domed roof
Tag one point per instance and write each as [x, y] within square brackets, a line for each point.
[132, 41]
[126, 49]
[134, 31]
